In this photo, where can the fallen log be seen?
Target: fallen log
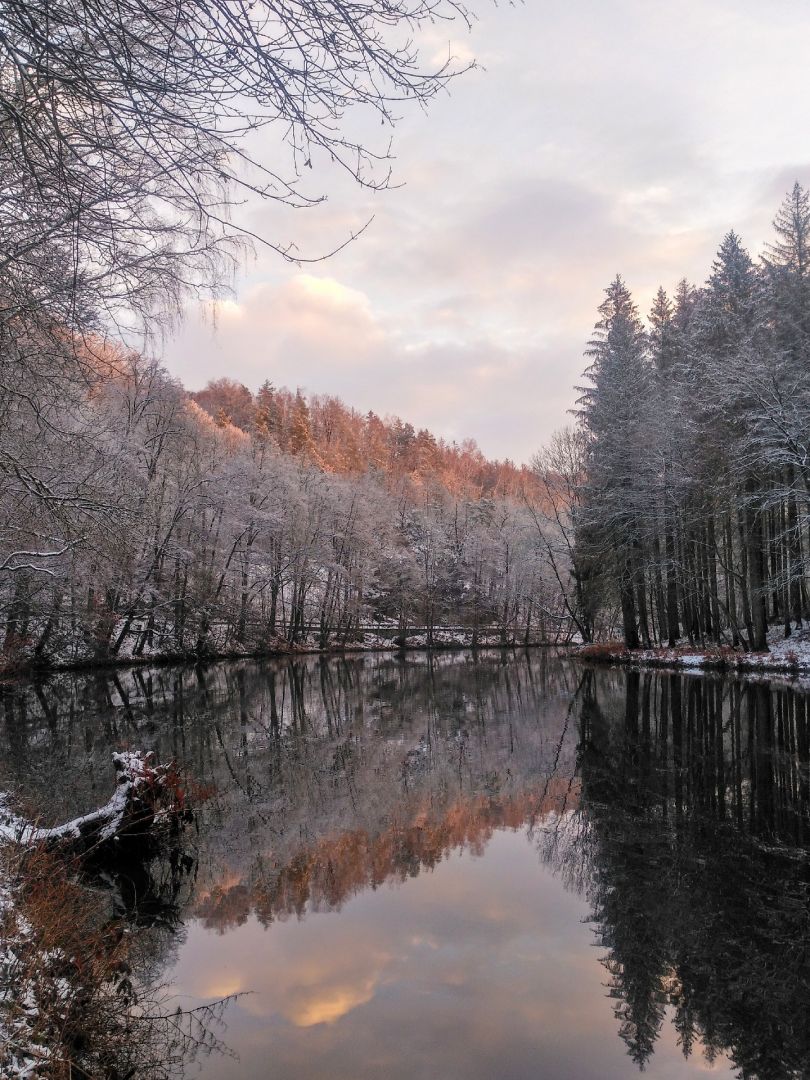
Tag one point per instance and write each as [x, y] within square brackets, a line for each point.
[148, 802]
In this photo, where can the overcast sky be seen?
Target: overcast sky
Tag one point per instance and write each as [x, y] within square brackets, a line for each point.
[600, 137]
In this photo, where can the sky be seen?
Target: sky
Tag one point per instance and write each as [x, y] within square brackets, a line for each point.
[595, 138]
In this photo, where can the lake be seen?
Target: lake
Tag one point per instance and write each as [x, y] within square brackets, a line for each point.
[457, 865]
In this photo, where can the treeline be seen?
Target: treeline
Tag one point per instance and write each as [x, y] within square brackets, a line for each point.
[145, 526]
[691, 509]
[328, 433]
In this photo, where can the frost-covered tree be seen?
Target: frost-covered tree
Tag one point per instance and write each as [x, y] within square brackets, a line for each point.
[698, 453]
[614, 412]
[128, 135]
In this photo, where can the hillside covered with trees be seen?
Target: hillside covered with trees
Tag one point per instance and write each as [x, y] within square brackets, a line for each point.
[135, 520]
[329, 434]
[222, 522]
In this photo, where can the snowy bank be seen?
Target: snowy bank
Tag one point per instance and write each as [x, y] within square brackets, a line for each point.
[790, 656]
[220, 644]
[63, 971]
[146, 797]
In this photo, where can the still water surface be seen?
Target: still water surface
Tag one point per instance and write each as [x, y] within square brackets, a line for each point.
[500, 866]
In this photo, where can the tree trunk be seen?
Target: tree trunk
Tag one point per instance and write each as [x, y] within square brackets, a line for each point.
[756, 568]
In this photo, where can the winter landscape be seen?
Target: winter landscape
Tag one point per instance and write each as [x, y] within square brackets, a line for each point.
[404, 615]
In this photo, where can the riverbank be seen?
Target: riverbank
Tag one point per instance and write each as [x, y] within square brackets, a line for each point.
[68, 999]
[784, 656]
[439, 640]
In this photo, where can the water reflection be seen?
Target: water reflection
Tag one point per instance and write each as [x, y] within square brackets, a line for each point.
[409, 859]
[695, 793]
[482, 968]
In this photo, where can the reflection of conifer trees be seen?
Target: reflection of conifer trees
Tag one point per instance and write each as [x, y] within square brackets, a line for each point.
[628, 885]
[695, 794]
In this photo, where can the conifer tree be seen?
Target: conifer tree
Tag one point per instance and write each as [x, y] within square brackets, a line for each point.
[663, 339]
[301, 443]
[732, 338]
[782, 438]
[613, 411]
[696, 493]
[787, 265]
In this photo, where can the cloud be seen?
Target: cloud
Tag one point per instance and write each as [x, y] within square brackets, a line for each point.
[320, 318]
[600, 139]
[436, 370]
[327, 1004]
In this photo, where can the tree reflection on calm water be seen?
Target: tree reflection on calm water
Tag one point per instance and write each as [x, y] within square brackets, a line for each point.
[676, 805]
[695, 794]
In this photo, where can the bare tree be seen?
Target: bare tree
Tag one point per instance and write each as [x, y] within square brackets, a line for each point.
[127, 133]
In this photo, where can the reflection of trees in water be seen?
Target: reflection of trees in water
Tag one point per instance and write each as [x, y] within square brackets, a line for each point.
[369, 773]
[323, 874]
[333, 776]
[330, 776]
[695, 810]
[300, 752]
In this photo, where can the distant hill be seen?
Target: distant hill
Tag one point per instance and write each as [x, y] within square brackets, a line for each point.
[339, 439]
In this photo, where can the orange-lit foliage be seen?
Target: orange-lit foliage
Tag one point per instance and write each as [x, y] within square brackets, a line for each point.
[338, 439]
[325, 874]
[224, 399]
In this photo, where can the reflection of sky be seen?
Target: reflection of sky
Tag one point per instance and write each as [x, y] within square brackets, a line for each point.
[482, 969]
[600, 137]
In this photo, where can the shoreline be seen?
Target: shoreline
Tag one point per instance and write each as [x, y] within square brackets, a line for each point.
[35, 671]
[723, 659]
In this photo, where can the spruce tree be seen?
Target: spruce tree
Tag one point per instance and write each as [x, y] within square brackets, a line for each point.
[613, 412]
[664, 352]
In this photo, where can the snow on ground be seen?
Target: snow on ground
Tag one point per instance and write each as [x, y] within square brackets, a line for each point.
[133, 771]
[793, 651]
[22, 1055]
[790, 656]
[221, 642]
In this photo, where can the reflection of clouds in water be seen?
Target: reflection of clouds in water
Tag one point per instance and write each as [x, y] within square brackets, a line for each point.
[329, 1003]
[480, 968]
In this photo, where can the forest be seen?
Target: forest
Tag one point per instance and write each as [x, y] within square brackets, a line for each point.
[218, 522]
[138, 520]
[393, 855]
[142, 520]
[692, 513]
